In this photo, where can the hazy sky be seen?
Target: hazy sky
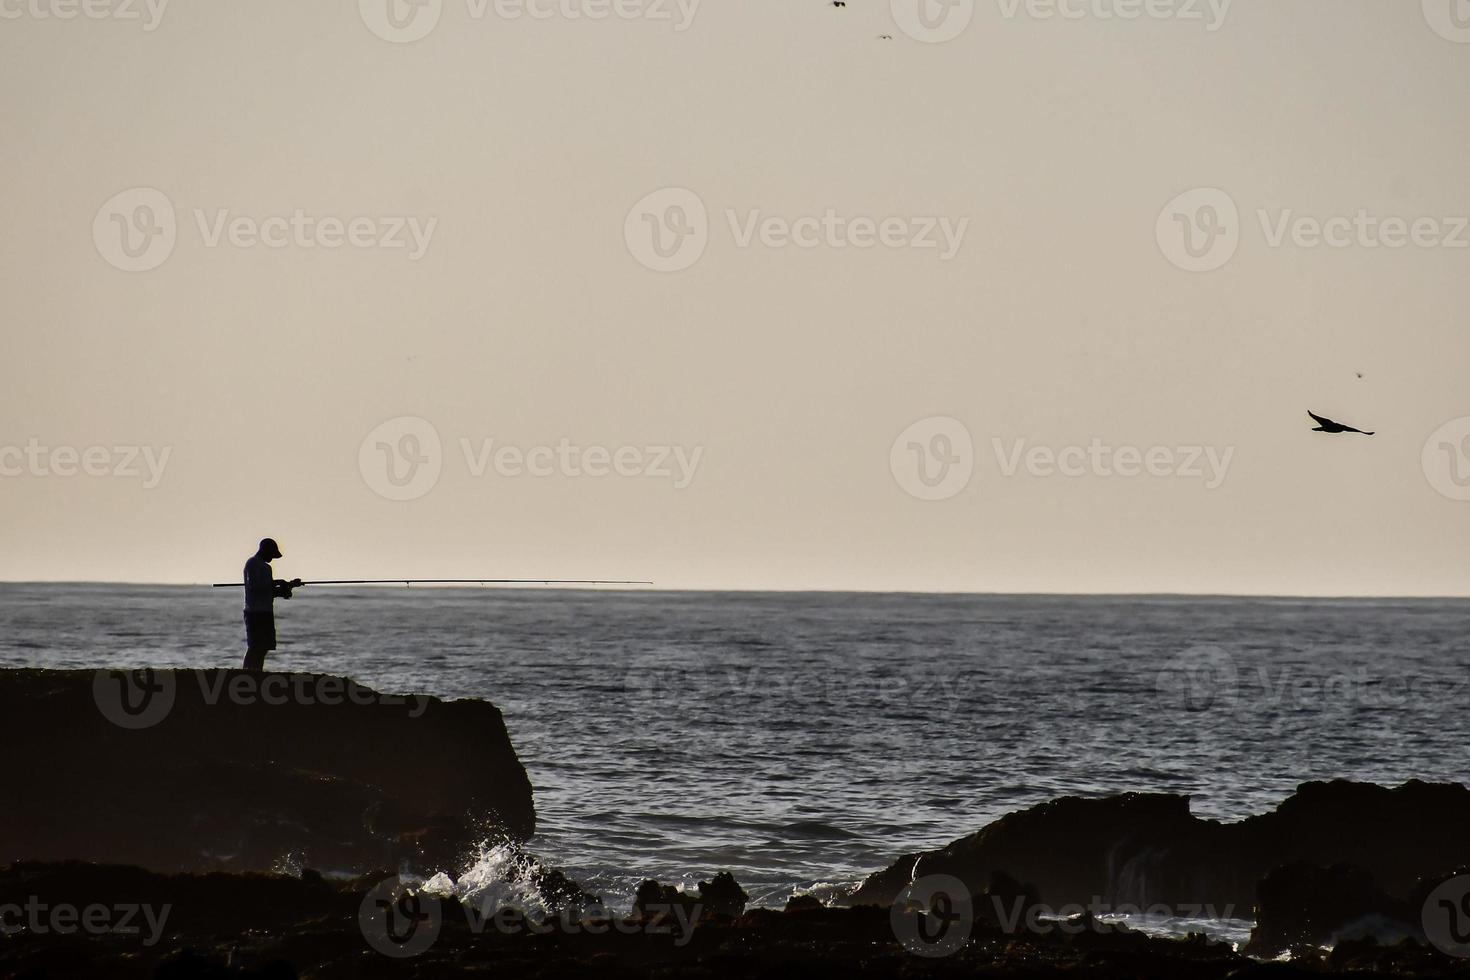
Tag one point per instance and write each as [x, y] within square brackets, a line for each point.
[262, 238]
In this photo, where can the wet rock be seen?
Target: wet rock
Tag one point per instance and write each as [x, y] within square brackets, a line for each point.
[1303, 904]
[804, 903]
[722, 896]
[1146, 850]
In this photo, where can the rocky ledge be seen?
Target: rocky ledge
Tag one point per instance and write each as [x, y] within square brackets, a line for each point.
[1335, 860]
[197, 770]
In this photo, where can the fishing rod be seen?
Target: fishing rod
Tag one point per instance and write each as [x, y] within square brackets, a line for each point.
[445, 581]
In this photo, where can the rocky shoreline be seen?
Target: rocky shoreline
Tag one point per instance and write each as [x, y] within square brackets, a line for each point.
[276, 926]
[170, 827]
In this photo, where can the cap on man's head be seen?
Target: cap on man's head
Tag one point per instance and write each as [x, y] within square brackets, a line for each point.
[269, 548]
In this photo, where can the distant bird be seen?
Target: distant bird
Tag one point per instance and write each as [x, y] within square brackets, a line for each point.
[1327, 425]
[885, 37]
[839, 3]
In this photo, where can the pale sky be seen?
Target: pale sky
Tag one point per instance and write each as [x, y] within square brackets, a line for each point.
[529, 312]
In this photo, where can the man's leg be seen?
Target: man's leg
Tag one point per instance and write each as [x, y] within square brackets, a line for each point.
[255, 658]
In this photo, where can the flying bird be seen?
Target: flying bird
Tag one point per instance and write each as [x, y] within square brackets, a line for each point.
[1327, 425]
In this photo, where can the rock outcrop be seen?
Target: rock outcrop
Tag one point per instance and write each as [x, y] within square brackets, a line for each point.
[179, 770]
[1148, 850]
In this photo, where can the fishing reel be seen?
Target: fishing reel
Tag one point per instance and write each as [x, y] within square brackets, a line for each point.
[283, 588]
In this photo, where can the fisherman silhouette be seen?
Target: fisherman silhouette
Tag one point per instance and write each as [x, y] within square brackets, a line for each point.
[261, 592]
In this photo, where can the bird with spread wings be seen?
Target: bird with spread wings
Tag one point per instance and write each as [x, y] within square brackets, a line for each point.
[1327, 425]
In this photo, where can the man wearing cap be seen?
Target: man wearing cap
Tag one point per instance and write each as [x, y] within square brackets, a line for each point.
[261, 592]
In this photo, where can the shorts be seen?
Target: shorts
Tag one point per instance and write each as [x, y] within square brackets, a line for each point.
[260, 630]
